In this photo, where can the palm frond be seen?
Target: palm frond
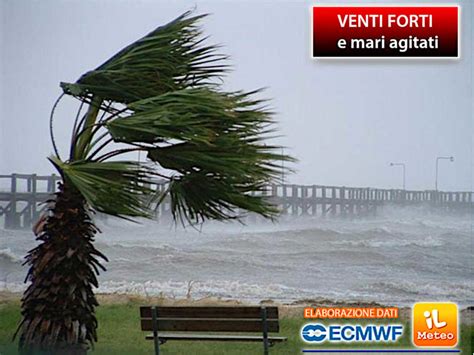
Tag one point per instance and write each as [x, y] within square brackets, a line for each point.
[191, 115]
[169, 58]
[215, 141]
[197, 196]
[117, 188]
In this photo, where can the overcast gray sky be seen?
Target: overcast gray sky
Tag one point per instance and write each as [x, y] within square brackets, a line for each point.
[344, 120]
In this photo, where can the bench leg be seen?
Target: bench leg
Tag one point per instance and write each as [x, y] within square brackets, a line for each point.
[265, 330]
[156, 340]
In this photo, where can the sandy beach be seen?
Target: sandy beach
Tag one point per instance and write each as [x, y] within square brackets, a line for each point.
[288, 310]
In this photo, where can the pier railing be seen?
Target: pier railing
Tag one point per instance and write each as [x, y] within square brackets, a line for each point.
[22, 199]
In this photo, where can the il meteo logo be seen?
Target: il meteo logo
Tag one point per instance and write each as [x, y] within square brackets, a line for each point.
[348, 333]
[435, 324]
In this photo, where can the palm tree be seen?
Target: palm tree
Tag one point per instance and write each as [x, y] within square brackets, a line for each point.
[160, 95]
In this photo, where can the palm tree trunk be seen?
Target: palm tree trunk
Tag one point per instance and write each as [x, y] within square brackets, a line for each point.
[58, 307]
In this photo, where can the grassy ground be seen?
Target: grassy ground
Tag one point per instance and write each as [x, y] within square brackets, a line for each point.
[119, 333]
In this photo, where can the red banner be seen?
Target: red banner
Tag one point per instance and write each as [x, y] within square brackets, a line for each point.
[385, 31]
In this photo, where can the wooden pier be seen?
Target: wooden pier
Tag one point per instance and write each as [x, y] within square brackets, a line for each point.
[22, 197]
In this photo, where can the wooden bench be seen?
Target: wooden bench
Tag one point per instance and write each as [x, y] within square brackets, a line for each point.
[204, 322]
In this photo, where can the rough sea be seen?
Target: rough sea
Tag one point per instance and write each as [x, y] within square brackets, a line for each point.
[398, 258]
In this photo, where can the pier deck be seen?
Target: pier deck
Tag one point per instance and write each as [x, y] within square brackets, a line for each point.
[21, 202]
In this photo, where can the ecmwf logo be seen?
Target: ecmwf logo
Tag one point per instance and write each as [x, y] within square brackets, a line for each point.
[435, 324]
[316, 333]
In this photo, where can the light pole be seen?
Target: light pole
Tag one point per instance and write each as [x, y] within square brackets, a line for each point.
[404, 172]
[451, 159]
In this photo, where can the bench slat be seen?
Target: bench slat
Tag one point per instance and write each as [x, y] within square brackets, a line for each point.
[209, 312]
[211, 325]
[215, 337]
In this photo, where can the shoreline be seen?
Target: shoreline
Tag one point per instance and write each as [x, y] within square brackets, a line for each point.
[287, 310]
